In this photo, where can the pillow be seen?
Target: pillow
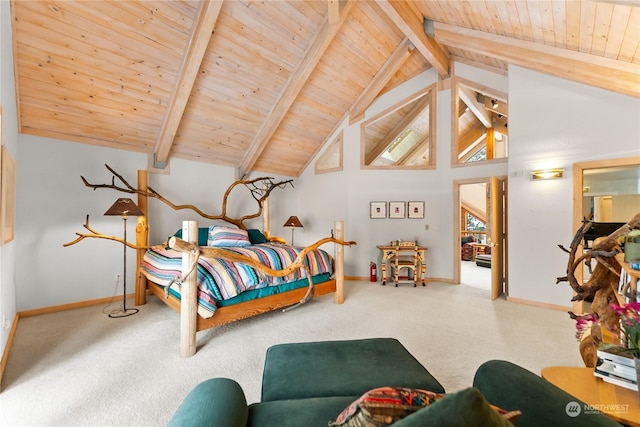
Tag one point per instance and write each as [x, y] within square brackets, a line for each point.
[387, 405]
[256, 237]
[467, 239]
[221, 236]
[384, 406]
[466, 407]
[203, 235]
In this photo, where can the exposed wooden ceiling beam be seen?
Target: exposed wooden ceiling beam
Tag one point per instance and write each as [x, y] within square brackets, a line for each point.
[333, 11]
[411, 23]
[470, 140]
[379, 81]
[605, 73]
[196, 48]
[321, 41]
[468, 96]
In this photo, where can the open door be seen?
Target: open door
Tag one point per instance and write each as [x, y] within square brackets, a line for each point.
[497, 225]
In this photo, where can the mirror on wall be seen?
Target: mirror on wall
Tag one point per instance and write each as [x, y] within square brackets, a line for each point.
[611, 194]
[610, 191]
[401, 137]
[480, 123]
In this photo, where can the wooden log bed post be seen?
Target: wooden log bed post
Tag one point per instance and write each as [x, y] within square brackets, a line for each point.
[142, 238]
[338, 297]
[189, 291]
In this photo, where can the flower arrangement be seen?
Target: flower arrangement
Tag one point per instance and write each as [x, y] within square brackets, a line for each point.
[629, 332]
[584, 324]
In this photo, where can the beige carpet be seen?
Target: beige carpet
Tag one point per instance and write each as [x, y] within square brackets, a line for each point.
[82, 368]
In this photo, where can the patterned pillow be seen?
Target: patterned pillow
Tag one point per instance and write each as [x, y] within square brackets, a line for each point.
[386, 405]
[221, 236]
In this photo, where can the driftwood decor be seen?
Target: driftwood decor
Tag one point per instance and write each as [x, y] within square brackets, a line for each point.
[602, 286]
[260, 189]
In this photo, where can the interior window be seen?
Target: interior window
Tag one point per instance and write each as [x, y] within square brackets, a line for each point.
[402, 136]
[331, 159]
[480, 124]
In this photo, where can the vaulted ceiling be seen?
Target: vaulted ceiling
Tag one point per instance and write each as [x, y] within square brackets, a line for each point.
[262, 85]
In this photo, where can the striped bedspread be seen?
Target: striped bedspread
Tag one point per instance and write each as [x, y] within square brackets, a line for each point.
[219, 279]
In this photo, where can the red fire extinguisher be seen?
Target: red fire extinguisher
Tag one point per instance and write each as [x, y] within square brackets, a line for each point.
[373, 272]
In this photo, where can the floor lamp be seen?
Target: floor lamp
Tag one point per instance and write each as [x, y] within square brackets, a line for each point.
[125, 208]
[292, 222]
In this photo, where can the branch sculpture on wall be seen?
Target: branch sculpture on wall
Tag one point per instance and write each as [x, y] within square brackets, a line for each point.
[98, 235]
[260, 189]
[601, 288]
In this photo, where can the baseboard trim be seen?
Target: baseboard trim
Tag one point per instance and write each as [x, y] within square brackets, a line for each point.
[70, 306]
[7, 349]
[539, 304]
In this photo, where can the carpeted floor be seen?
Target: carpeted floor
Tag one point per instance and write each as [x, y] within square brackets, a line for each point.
[81, 368]
[473, 275]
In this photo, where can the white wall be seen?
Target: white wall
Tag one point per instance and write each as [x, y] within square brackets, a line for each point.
[10, 141]
[52, 206]
[555, 123]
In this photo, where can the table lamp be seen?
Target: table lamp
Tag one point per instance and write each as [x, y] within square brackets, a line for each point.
[293, 222]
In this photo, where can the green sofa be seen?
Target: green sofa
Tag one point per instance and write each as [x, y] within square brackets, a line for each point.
[310, 384]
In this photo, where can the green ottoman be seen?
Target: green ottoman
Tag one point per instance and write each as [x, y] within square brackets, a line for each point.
[483, 261]
[341, 368]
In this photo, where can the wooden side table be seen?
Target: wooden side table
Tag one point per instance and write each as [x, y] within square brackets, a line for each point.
[634, 274]
[387, 251]
[478, 249]
[618, 403]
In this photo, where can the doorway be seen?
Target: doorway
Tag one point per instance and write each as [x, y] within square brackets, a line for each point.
[480, 234]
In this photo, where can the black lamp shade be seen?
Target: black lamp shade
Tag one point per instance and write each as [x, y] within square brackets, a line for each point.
[124, 207]
[293, 221]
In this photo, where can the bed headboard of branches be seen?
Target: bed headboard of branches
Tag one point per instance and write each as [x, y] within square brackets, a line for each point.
[260, 189]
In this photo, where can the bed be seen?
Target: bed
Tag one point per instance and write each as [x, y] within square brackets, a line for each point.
[223, 282]
[216, 287]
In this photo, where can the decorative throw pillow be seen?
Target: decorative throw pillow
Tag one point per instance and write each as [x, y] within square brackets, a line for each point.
[221, 236]
[465, 407]
[256, 237]
[386, 405]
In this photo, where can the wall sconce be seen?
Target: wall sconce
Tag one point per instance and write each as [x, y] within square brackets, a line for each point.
[547, 174]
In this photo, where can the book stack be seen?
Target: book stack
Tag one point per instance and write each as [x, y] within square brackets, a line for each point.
[616, 365]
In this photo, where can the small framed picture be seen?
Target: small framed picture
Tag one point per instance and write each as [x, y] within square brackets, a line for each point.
[396, 209]
[378, 210]
[416, 209]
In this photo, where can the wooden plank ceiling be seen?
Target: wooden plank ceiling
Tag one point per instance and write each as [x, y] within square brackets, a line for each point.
[262, 85]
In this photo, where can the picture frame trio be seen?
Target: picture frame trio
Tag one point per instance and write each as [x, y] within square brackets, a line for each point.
[396, 210]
